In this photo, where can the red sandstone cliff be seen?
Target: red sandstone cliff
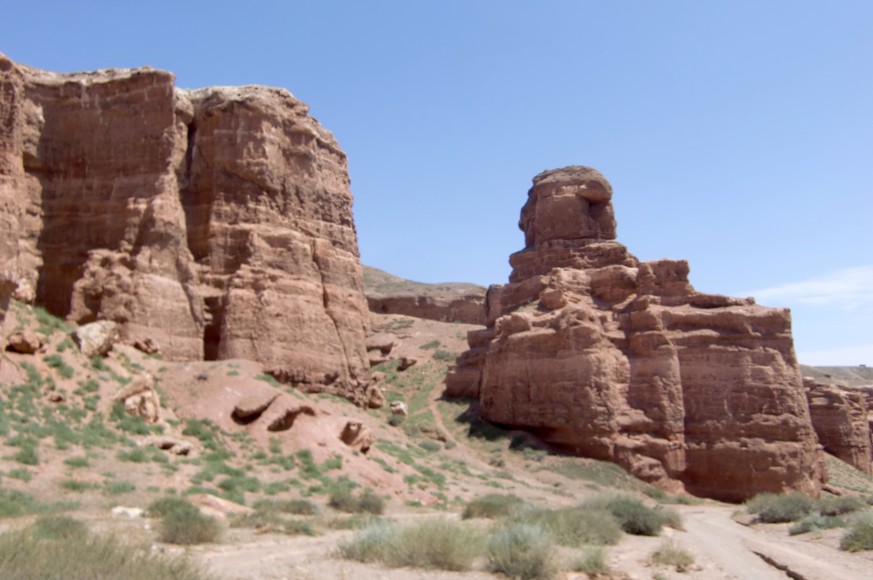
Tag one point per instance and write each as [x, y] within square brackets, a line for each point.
[622, 360]
[840, 418]
[448, 302]
[215, 222]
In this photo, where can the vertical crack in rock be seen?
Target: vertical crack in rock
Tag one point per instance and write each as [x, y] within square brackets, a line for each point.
[326, 304]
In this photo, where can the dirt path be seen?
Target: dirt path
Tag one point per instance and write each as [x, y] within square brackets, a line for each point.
[743, 552]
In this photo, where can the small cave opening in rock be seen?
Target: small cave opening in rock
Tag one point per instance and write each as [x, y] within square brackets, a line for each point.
[250, 415]
[285, 421]
[213, 329]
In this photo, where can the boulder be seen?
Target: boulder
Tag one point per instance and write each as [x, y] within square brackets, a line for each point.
[167, 443]
[375, 397]
[384, 342]
[251, 406]
[608, 357]
[146, 345]
[24, 342]
[406, 362]
[399, 408]
[357, 435]
[140, 399]
[96, 338]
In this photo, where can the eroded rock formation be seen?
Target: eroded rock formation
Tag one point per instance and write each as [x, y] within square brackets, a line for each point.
[449, 302]
[215, 223]
[839, 416]
[622, 360]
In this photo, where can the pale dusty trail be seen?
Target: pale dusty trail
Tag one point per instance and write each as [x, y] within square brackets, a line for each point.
[740, 552]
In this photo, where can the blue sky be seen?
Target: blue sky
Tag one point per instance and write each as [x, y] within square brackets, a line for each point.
[737, 134]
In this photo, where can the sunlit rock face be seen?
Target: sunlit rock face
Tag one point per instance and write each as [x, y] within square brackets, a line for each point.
[841, 421]
[215, 222]
[616, 359]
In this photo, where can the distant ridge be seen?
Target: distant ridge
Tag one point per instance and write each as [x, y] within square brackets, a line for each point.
[445, 301]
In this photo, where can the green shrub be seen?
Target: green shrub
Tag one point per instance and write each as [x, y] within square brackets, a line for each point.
[773, 508]
[347, 501]
[670, 518]
[352, 522]
[301, 507]
[859, 536]
[430, 446]
[522, 551]
[370, 503]
[182, 522]
[574, 526]
[493, 506]
[22, 474]
[58, 363]
[632, 515]
[204, 430]
[436, 543]
[27, 453]
[118, 487]
[815, 522]
[188, 528]
[270, 380]
[343, 500]
[370, 543]
[76, 462]
[17, 503]
[74, 485]
[72, 553]
[136, 455]
[298, 528]
[58, 528]
[48, 322]
[171, 505]
[333, 462]
[837, 506]
[444, 355]
[669, 554]
[592, 562]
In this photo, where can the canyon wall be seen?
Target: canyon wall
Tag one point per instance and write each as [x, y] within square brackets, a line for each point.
[840, 418]
[621, 360]
[215, 222]
[447, 302]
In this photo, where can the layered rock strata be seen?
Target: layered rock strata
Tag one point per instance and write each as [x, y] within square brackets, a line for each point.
[840, 418]
[616, 359]
[217, 223]
[449, 302]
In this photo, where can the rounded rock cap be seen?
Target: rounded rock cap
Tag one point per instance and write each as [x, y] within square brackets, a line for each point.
[581, 175]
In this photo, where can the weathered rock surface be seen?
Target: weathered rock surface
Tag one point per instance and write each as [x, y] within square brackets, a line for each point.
[449, 302]
[839, 416]
[140, 399]
[216, 223]
[96, 338]
[24, 342]
[622, 360]
[357, 436]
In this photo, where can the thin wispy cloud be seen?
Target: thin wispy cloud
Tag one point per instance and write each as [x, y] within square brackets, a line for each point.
[848, 288]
